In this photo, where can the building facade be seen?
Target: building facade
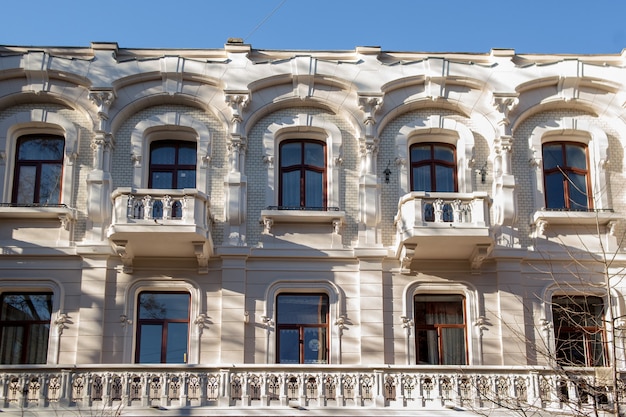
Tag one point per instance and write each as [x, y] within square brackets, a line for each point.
[362, 232]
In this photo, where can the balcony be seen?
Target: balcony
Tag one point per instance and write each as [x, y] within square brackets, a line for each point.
[443, 226]
[144, 219]
[274, 390]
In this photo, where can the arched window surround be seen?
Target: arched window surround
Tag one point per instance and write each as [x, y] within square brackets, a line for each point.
[37, 121]
[303, 126]
[336, 311]
[57, 318]
[436, 129]
[174, 126]
[472, 315]
[545, 321]
[197, 307]
[575, 131]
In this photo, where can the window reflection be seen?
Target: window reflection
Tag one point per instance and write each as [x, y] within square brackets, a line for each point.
[433, 167]
[302, 323]
[24, 327]
[38, 170]
[302, 174]
[162, 326]
[566, 177]
[172, 164]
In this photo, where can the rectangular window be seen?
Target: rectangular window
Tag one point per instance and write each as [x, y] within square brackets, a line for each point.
[172, 164]
[440, 330]
[38, 170]
[579, 330]
[162, 327]
[566, 177]
[24, 327]
[433, 167]
[302, 174]
[302, 328]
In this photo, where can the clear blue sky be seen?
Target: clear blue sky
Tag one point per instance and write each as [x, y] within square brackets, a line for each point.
[531, 26]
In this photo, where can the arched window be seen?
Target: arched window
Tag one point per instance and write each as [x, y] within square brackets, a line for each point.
[566, 176]
[24, 327]
[38, 169]
[433, 167]
[302, 174]
[162, 327]
[440, 329]
[172, 164]
[302, 328]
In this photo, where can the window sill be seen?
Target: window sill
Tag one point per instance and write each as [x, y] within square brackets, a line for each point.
[9, 211]
[543, 218]
[302, 216]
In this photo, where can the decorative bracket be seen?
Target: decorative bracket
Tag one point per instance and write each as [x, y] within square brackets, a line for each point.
[202, 256]
[127, 259]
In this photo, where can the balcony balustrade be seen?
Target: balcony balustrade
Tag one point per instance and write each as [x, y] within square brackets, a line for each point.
[145, 218]
[130, 388]
[443, 226]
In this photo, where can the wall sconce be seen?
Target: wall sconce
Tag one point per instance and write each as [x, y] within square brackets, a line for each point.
[387, 173]
[483, 173]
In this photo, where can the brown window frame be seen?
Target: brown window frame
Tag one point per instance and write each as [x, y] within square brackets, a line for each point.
[566, 169]
[172, 168]
[26, 325]
[583, 332]
[38, 164]
[439, 326]
[303, 168]
[302, 326]
[164, 322]
[433, 163]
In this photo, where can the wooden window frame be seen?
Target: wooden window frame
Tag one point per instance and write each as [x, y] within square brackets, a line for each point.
[583, 332]
[438, 326]
[303, 168]
[302, 327]
[163, 322]
[38, 164]
[567, 169]
[172, 168]
[26, 324]
[433, 164]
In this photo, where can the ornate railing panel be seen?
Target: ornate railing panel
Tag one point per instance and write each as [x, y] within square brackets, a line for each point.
[121, 387]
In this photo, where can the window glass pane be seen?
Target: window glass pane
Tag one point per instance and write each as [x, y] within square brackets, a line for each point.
[552, 156]
[11, 344]
[290, 183]
[444, 153]
[163, 306]
[25, 328]
[186, 178]
[555, 197]
[576, 156]
[176, 342]
[150, 344]
[453, 342]
[421, 178]
[37, 350]
[315, 345]
[302, 309]
[27, 176]
[162, 180]
[31, 307]
[427, 347]
[289, 346]
[420, 153]
[163, 154]
[577, 192]
[314, 154]
[290, 154]
[445, 179]
[38, 149]
[314, 189]
[50, 186]
[187, 153]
